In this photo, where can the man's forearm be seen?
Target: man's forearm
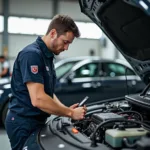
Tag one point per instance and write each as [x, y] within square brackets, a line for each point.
[51, 106]
[57, 100]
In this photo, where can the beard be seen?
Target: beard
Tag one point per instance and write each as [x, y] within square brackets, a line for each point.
[56, 49]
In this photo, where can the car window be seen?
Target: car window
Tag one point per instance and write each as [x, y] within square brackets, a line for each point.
[64, 68]
[115, 69]
[88, 70]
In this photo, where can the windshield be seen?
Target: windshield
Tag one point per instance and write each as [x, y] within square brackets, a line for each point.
[64, 68]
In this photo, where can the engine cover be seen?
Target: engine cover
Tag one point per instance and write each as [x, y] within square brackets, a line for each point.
[100, 117]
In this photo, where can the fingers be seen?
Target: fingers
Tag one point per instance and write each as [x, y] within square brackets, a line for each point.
[84, 111]
[82, 117]
[85, 108]
[74, 106]
[79, 113]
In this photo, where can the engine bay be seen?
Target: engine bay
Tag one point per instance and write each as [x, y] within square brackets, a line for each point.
[117, 125]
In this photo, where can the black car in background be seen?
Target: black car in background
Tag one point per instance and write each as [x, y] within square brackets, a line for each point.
[99, 78]
[79, 76]
[5, 93]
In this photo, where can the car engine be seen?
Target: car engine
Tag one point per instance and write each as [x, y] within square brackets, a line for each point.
[117, 125]
[114, 124]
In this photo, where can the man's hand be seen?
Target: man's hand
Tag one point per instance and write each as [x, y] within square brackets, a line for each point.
[85, 108]
[74, 106]
[78, 113]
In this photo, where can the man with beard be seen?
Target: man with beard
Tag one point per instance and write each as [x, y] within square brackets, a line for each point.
[33, 82]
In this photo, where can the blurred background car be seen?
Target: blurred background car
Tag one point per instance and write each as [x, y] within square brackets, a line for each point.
[5, 92]
[79, 76]
[99, 78]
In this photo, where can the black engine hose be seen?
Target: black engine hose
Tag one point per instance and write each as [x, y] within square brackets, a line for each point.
[127, 144]
[135, 112]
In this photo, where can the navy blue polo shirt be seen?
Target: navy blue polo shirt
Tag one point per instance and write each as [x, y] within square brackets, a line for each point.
[33, 64]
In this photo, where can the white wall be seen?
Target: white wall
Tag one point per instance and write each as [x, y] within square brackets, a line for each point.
[79, 47]
[17, 42]
[109, 50]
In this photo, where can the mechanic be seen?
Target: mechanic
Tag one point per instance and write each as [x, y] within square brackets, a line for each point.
[33, 82]
[5, 68]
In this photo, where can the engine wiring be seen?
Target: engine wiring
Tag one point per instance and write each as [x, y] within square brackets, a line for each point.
[133, 112]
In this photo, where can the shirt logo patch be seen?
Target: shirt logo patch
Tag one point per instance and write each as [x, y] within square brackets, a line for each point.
[34, 69]
[47, 68]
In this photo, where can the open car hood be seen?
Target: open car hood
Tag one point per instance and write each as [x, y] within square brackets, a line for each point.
[127, 25]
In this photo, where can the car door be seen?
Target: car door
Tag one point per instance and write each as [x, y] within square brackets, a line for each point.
[81, 82]
[117, 80]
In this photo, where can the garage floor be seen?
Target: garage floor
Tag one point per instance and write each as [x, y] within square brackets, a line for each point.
[4, 141]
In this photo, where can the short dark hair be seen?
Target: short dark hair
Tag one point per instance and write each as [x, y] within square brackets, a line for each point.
[63, 24]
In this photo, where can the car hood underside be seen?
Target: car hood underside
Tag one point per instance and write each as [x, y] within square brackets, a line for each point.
[127, 24]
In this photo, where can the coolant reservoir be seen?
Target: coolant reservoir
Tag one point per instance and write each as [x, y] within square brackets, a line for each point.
[114, 137]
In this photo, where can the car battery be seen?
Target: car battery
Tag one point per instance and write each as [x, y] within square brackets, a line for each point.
[114, 137]
[98, 118]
